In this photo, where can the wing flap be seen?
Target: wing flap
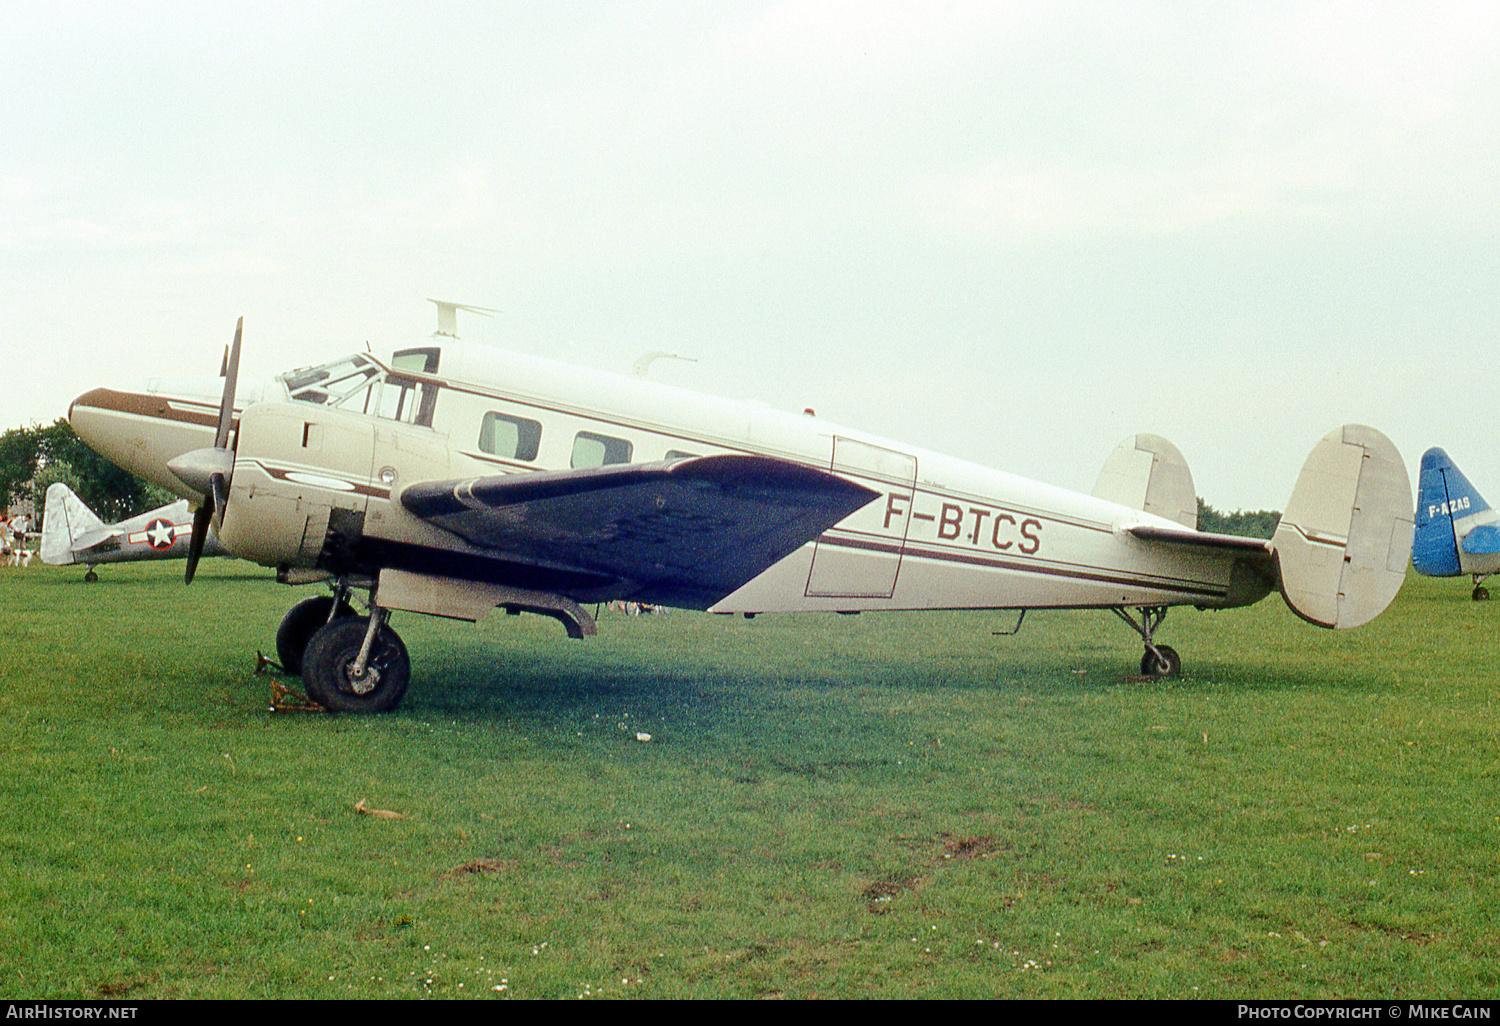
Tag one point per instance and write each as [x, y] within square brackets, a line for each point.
[683, 532]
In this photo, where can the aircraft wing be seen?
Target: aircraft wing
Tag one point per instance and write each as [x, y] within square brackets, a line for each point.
[682, 532]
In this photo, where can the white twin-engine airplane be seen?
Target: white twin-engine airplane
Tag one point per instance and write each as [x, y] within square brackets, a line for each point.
[451, 480]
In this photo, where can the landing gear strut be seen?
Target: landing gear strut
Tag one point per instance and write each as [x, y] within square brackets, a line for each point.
[1158, 660]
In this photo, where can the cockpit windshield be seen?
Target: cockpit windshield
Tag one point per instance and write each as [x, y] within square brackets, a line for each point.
[359, 384]
[332, 384]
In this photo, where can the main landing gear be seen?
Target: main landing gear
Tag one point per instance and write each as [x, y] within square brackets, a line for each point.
[1481, 593]
[1158, 660]
[348, 663]
[301, 623]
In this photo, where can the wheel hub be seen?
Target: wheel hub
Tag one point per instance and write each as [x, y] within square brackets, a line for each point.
[362, 683]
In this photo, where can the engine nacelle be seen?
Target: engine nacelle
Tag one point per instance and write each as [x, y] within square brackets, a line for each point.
[295, 464]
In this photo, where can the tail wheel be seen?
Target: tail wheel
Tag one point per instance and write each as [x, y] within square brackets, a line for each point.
[299, 625]
[328, 667]
[1481, 593]
[1164, 662]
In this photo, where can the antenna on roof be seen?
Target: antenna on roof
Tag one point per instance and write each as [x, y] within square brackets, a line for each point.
[448, 316]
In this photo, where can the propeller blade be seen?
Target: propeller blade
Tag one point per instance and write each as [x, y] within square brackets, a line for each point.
[218, 490]
[200, 534]
[208, 470]
[231, 377]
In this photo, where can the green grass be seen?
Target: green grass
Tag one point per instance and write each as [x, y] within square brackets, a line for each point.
[886, 805]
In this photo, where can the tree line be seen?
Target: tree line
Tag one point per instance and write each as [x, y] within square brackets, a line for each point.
[1259, 523]
[33, 458]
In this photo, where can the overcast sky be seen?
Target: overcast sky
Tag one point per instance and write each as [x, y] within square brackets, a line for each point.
[1015, 232]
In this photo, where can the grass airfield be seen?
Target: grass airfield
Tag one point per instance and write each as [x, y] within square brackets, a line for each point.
[892, 805]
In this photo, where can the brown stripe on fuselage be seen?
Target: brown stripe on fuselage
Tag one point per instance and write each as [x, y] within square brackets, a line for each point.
[143, 404]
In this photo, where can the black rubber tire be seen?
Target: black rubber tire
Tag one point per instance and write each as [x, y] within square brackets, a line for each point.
[1481, 593]
[330, 655]
[298, 626]
[1170, 664]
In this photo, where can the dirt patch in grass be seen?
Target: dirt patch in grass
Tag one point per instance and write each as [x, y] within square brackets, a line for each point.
[479, 867]
[880, 893]
[970, 847]
[1414, 936]
[123, 987]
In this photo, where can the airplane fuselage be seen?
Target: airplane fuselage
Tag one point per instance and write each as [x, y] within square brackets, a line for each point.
[321, 461]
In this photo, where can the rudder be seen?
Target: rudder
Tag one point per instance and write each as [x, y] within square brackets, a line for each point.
[1345, 537]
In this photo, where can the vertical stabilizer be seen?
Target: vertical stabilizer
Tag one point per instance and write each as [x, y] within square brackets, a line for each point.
[1447, 505]
[1147, 472]
[64, 519]
[1344, 540]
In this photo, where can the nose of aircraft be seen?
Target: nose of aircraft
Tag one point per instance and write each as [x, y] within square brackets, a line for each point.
[140, 431]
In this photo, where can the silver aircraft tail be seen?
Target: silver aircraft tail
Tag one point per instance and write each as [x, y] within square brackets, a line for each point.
[1345, 538]
[68, 525]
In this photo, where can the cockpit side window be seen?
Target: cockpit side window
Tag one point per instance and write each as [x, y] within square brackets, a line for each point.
[357, 383]
[421, 360]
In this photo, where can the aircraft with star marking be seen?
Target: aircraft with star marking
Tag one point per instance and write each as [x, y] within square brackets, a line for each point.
[74, 534]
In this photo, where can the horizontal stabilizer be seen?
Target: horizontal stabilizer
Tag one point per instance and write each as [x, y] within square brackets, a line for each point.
[1223, 542]
[1345, 537]
[1147, 472]
[1484, 540]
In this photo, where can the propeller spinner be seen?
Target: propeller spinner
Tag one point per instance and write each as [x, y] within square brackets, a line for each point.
[208, 471]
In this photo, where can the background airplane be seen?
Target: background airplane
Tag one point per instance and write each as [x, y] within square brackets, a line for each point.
[1457, 532]
[73, 533]
[453, 480]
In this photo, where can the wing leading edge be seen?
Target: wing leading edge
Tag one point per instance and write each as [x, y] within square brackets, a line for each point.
[683, 532]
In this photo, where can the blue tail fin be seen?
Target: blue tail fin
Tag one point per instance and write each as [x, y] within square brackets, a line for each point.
[1443, 495]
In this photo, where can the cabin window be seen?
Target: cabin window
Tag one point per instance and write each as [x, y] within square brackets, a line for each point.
[591, 450]
[511, 438]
